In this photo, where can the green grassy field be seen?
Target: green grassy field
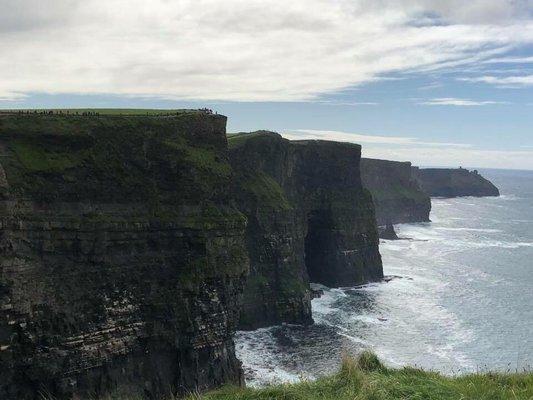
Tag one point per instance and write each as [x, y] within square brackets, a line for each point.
[106, 111]
[367, 379]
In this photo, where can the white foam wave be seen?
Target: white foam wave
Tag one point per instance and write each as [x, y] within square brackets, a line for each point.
[354, 339]
[505, 197]
[258, 354]
[450, 242]
[325, 304]
[487, 230]
[495, 244]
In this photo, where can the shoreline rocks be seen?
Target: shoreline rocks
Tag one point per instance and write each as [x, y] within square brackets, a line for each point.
[387, 232]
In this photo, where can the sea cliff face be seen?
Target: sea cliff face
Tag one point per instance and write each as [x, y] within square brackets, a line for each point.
[126, 242]
[397, 195]
[447, 182]
[121, 258]
[309, 219]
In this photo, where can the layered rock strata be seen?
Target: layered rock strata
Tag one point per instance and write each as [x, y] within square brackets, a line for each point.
[309, 219]
[121, 257]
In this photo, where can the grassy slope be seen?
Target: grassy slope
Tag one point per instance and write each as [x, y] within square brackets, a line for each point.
[367, 379]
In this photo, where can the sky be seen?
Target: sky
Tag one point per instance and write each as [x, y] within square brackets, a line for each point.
[435, 82]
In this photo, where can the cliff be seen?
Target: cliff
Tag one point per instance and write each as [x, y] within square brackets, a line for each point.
[442, 182]
[309, 218]
[397, 195]
[121, 257]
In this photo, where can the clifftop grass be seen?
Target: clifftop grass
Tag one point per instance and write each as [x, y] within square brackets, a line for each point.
[104, 111]
[115, 157]
[238, 139]
[367, 379]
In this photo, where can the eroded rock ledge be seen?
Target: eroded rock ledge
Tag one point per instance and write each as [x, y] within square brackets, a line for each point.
[309, 218]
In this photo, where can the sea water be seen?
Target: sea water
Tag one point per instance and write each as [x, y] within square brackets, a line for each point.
[460, 299]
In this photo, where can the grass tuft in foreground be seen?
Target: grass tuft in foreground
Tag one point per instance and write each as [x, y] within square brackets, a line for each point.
[366, 378]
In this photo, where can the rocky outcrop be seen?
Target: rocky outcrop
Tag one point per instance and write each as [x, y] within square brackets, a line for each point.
[387, 232]
[396, 193]
[448, 182]
[309, 219]
[121, 258]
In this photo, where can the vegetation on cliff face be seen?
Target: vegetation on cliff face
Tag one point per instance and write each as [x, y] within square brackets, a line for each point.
[266, 190]
[122, 257]
[308, 217]
[367, 379]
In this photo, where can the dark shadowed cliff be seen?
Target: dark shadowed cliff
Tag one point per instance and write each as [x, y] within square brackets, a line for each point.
[443, 182]
[309, 218]
[397, 195]
[121, 259]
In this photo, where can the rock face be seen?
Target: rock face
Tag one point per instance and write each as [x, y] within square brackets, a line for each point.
[397, 195]
[309, 218]
[441, 182]
[387, 232]
[121, 259]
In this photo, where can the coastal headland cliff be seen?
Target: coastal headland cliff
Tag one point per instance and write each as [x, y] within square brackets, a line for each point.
[309, 219]
[126, 240]
[121, 257]
[396, 193]
[133, 243]
[454, 182]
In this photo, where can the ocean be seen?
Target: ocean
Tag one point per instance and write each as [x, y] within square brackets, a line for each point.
[460, 298]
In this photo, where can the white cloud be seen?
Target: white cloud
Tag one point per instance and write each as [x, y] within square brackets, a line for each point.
[339, 136]
[452, 101]
[505, 159]
[505, 81]
[509, 60]
[346, 103]
[243, 50]
[431, 86]
[10, 97]
[420, 152]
